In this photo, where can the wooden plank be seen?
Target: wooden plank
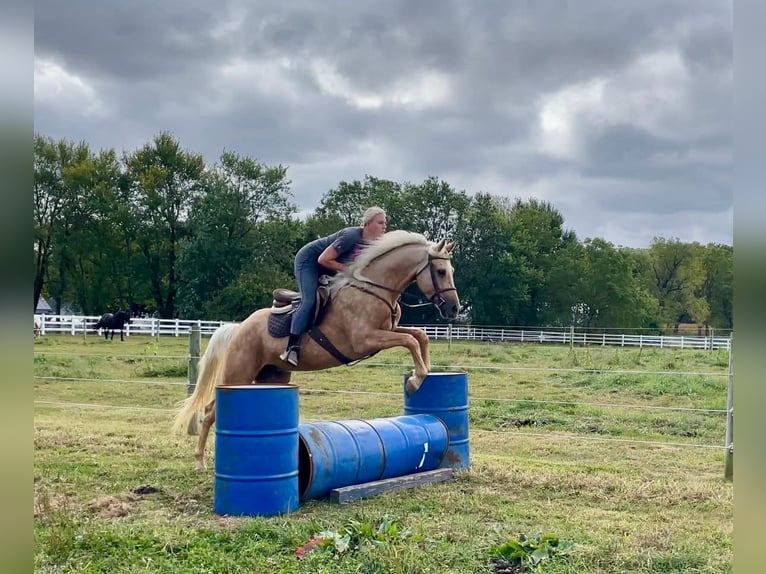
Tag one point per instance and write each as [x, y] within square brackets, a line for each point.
[364, 490]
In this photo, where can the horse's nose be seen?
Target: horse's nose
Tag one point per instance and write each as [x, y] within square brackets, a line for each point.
[452, 309]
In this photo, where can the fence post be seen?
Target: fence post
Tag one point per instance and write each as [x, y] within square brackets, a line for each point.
[449, 335]
[571, 337]
[193, 371]
[728, 471]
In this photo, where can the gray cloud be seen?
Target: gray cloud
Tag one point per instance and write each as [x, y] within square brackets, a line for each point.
[615, 112]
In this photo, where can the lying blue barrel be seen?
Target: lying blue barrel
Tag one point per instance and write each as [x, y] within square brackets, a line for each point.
[334, 454]
[445, 395]
[337, 453]
[256, 450]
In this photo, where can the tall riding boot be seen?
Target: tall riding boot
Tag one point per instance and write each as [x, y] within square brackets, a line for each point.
[292, 351]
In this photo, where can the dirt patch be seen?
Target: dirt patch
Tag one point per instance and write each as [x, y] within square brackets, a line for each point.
[186, 504]
[112, 506]
[46, 503]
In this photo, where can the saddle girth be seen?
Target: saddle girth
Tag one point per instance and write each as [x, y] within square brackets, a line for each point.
[316, 334]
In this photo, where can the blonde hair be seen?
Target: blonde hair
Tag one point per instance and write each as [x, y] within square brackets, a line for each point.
[370, 213]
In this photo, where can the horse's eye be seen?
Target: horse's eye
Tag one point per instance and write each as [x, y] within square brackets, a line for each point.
[442, 273]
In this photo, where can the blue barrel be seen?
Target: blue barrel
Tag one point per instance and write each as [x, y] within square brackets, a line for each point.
[337, 453]
[334, 454]
[412, 443]
[256, 450]
[445, 395]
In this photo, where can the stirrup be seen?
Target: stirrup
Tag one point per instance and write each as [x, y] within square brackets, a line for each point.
[290, 355]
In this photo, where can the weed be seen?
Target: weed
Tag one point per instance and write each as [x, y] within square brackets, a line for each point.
[531, 552]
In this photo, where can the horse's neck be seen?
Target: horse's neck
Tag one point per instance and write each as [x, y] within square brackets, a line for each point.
[396, 270]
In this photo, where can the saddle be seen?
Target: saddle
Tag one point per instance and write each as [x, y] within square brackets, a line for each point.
[284, 303]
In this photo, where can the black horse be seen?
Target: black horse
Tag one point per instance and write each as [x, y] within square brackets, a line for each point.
[112, 322]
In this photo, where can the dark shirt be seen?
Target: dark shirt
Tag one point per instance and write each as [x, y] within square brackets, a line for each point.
[347, 242]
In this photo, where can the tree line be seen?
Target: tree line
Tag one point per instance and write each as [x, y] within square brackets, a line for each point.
[158, 230]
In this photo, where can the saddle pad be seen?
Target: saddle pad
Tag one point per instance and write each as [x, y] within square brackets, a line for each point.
[279, 324]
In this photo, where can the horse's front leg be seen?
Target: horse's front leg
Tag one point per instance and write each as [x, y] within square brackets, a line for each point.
[379, 340]
[422, 339]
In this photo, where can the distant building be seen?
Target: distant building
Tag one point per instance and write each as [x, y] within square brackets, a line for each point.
[43, 308]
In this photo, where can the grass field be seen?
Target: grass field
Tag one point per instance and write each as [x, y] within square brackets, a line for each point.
[613, 449]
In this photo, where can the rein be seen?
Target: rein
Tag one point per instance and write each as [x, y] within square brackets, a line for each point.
[390, 306]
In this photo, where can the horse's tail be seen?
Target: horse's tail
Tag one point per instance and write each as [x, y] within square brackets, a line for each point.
[210, 369]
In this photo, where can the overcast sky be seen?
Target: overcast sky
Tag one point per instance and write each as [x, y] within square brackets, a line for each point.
[617, 112]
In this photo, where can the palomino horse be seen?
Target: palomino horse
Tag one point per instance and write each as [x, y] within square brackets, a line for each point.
[362, 319]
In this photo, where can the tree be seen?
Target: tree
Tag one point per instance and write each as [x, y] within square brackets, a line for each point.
[432, 208]
[164, 180]
[677, 276]
[348, 201]
[57, 205]
[241, 223]
[561, 295]
[607, 294]
[537, 235]
[717, 285]
[485, 274]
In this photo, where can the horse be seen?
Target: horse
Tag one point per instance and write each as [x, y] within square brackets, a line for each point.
[36, 328]
[361, 319]
[112, 322]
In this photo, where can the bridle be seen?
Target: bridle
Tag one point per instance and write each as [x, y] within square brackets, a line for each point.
[436, 299]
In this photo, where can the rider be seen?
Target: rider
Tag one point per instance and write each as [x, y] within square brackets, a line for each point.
[327, 256]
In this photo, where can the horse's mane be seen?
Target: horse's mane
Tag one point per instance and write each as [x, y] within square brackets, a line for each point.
[384, 244]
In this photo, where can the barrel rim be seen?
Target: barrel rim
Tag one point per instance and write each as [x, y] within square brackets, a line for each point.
[259, 386]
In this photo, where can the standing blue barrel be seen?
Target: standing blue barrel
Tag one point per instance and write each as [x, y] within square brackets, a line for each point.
[334, 454]
[445, 395]
[256, 450]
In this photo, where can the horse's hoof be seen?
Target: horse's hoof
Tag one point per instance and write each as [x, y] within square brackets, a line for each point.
[412, 385]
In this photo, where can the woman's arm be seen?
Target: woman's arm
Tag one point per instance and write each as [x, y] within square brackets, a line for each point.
[329, 259]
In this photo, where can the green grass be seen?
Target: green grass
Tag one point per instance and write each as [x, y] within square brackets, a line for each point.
[599, 476]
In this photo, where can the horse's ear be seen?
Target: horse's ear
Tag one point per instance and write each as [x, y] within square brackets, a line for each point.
[449, 247]
[440, 245]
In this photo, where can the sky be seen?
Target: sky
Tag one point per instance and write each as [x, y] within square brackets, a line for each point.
[617, 113]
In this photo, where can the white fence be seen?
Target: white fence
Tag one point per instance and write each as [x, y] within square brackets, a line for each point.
[83, 325]
[531, 335]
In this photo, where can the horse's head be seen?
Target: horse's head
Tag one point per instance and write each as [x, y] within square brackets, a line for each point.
[436, 282]
[122, 317]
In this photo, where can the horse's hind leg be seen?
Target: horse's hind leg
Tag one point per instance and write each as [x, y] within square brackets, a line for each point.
[207, 422]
